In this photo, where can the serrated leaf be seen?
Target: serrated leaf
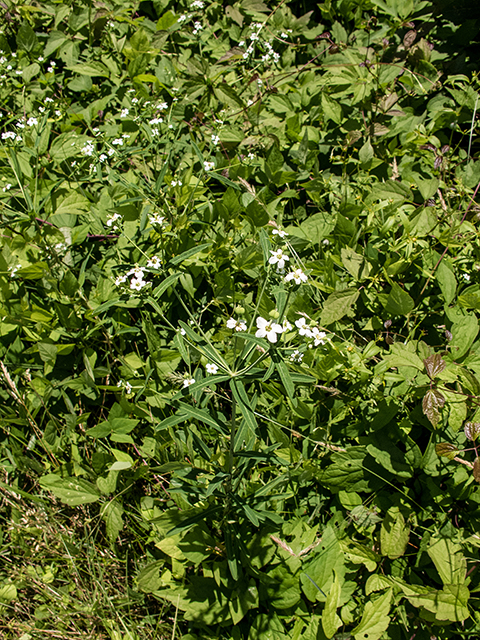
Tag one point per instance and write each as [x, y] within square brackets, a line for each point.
[432, 402]
[446, 450]
[401, 355]
[434, 365]
[472, 430]
[375, 619]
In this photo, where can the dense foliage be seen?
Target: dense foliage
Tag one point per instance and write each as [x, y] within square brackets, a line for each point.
[239, 290]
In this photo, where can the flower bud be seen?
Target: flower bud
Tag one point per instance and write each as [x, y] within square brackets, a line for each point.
[274, 314]
[239, 310]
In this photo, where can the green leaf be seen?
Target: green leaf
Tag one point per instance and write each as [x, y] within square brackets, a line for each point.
[432, 402]
[366, 153]
[394, 534]
[243, 401]
[8, 593]
[398, 302]
[448, 559]
[330, 621]
[190, 252]
[315, 227]
[26, 38]
[375, 619]
[285, 378]
[112, 515]
[446, 280]
[93, 68]
[71, 491]
[403, 355]
[338, 305]
[464, 332]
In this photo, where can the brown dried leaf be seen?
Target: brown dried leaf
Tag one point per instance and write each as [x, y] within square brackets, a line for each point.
[472, 430]
[476, 469]
[409, 38]
[434, 365]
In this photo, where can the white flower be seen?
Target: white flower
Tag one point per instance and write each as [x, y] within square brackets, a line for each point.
[296, 356]
[31, 122]
[284, 35]
[197, 27]
[134, 100]
[326, 242]
[197, 4]
[162, 106]
[137, 284]
[41, 109]
[118, 141]
[238, 325]
[124, 113]
[319, 336]
[73, 163]
[111, 152]
[50, 69]
[286, 326]
[154, 263]
[60, 247]
[155, 121]
[188, 382]
[466, 277]
[157, 219]
[87, 149]
[268, 329]
[279, 232]
[182, 18]
[112, 220]
[215, 139]
[155, 132]
[278, 258]
[303, 328]
[58, 113]
[128, 388]
[176, 183]
[211, 368]
[297, 275]
[209, 166]
[137, 271]
[182, 331]
[103, 157]
[119, 280]
[7, 187]
[53, 64]
[13, 270]
[48, 100]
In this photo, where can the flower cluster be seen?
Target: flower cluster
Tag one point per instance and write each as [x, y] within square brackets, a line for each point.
[311, 331]
[156, 220]
[121, 384]
[114, 221]
[238, 325]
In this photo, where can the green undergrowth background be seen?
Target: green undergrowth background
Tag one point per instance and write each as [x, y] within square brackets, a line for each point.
[239, 296]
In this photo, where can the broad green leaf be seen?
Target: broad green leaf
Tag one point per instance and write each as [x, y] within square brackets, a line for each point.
[112, 515]
[71, 491]
[464, 332]
[398, 301]
[394, 534]
[8, 593]
[330, 620]
[93, 68]
[451, 603]
[403, 355]
[447, 281]
[338, 305]
[448, 559]
[190, 252]
[375, 619]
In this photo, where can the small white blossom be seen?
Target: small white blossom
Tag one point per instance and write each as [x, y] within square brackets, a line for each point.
[40, 58]
[297, 275]
[326, 242]
[155, 121]
[215, 139]
[279, 232]
[268, 329]
[197, 27]
[41, 109]
[303, 328]
[162, 106]
[182, 331]
[124, 113]
[137, 284]
[318, 336]
[466, 277]
[238, 325]
[208, 166]
[197, 4]
[156, 218]
[7, 187]
[154, 262]
[48, 100]
[112, 221]
[13, 270]
[103, 157]
[119, 280]
[111, 152]
[58, 113]
[118, 141]
[211, 368]
[188, 382]
[88, 149]
[136, 271]
[284, 35]
[182, 18]
[286, 326]
[296, 356]
[31, 122]
[176, 183]
[279, 258]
